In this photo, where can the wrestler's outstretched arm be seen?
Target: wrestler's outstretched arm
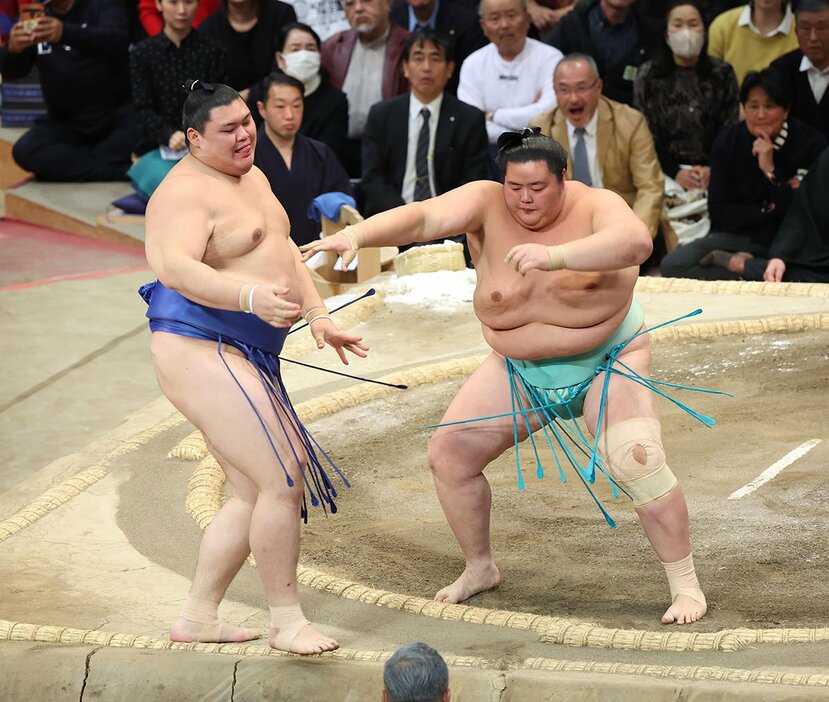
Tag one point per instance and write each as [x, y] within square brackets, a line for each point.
[459, 211]
[178, 227]
[619, 240]
[323, 329]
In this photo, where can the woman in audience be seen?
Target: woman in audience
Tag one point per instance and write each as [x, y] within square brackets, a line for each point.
[752, 36]
[247, 29]
[153, 22]
[326, 108]
[158, 67]
[686, 97]
[756, 165]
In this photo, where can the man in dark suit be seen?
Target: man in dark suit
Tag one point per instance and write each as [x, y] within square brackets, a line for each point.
[806, 69]
[423, 144]
[458, 23]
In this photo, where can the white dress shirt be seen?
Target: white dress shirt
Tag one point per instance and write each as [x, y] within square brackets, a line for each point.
[590, 141]
[363, 84]
[819, 80]
[415, 123]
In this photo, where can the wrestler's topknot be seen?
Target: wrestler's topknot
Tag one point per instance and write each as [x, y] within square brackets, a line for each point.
[529, 145]
[202, 99]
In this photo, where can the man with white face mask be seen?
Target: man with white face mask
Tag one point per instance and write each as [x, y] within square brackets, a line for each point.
[326, 108]
[686, 97]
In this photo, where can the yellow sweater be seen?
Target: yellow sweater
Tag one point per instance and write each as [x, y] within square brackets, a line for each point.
[742, 47]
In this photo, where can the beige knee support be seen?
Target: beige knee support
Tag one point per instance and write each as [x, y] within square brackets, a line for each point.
[624, 446]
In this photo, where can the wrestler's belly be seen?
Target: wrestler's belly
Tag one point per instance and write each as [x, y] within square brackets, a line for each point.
[272, 263]
[536, 340]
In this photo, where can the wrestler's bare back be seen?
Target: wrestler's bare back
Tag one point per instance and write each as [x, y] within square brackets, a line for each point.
[544, 314]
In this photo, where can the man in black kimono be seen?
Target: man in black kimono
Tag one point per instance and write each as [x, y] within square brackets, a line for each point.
[298, 168]
[800, 251]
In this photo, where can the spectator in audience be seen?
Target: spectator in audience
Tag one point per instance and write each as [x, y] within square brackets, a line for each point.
[158, 67]
[456, 22]
[509, 79]
[327, 17]
[686, 97]
[546, 14]
[152, 19]
[800, 251]
[409, 154]
[365, 63]
[756, 166]
[752, 36]
[298, 168]
[609, 143]
[806, 69]
[325, 116]
[80, 50]
[416, 672]
[247, 30]
[616, 35]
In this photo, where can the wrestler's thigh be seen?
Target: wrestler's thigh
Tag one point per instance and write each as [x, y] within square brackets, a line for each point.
[192, 376]
[241, 486]
[625, 398]
[485, 393]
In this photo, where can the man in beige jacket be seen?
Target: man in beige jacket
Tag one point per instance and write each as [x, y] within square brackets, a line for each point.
[609, 143]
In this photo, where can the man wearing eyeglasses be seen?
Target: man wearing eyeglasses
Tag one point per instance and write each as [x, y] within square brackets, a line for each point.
[806, 69]
[609, 144]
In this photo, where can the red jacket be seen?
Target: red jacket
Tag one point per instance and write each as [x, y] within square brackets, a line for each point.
[337, 51]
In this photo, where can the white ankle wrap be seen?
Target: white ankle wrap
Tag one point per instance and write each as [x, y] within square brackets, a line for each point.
[200, 611]
[682, 579]
[289, 620]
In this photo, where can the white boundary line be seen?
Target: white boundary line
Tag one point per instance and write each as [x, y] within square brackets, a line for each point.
[774, 469]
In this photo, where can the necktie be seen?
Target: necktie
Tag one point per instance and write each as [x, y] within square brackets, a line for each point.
[422, 191]
[581, 169]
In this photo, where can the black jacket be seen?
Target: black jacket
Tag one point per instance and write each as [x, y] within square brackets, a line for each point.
[803, 106]
[250, 55]
[85, 77]
[458, 23]
[573, 35]
[803, 238]
[460, 150]
[741, 200]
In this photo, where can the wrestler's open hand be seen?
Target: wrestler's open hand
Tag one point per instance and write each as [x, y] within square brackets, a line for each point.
[525, 257]
[270, 305]
[339, 243]
[326, 332]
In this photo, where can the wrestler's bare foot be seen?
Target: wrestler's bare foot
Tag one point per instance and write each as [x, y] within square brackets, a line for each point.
[186, 631]
[473, 580]
[684, 610]
[308, 642]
